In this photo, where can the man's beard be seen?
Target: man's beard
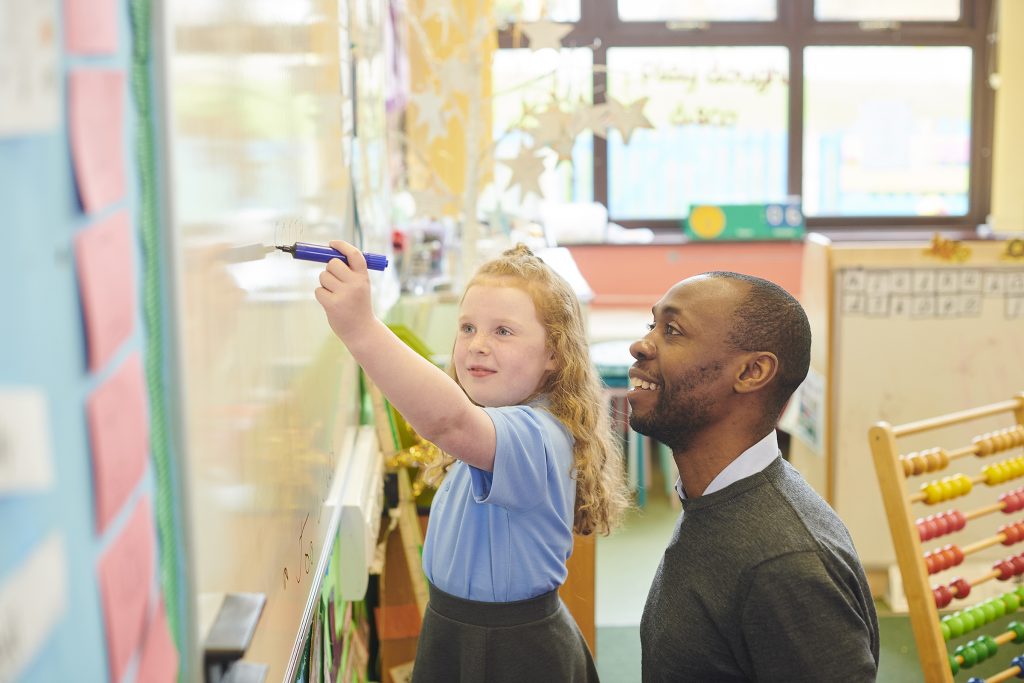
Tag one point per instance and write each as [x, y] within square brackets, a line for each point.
[680, 414]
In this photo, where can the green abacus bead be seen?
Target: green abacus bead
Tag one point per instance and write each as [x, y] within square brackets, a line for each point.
[998, 606]
[990, 611]
[980, 618]
[1012, 602]
[946, 632]
[954, 665]
[1018, 631]
[967, 618]
[956, 625]
[969, 655]
[990, 643]
[1020, 592]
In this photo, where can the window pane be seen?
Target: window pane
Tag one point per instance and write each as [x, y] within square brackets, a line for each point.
[719, 117]
[696, 10]
[887, 131]
[511, 11]
[887, 10]
[523, 78]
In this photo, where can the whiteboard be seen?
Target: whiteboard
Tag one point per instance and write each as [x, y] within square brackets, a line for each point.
[260, 150]
[914, 338]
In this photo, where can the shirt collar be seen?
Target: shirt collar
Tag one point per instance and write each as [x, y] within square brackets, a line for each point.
[751, 461]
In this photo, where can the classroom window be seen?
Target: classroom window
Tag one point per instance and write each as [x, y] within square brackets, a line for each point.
[876, 114]
[887, 131]
[527, 87]
[696, 10]
[719, 136]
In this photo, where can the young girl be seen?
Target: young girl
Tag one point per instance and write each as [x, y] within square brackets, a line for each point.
[532, 460]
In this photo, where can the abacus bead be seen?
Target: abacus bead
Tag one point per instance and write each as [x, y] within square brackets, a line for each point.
[991, 644]
[946, 631]
[943, 596]
[968, 621]
[1018, 662]
[1005, 569]
[963, 589]
[927, 528]
[956, 626]
[1018, 564]
[990, 611]
[960, 520]
[1018, 631]
[979, 617]
[949, 558]
[968, 654]
[1012, 602]
[954, 665]
[998, 607]
[932, 493]
[975, 679]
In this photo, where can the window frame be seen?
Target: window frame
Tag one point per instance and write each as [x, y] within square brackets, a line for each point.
[796, 28]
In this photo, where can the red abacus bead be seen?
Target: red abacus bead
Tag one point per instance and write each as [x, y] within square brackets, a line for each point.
[1011, 501]
[1011, 534]
[942, 596]
[963, 589]
[929, 562]
[1018, 564]
[959, 520]
[926, 528]
[950, 557]
[1005, 569]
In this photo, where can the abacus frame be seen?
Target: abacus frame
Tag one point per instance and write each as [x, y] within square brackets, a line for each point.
[924, 615]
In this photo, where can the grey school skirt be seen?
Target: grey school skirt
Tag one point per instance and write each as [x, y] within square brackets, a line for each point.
[535, 640]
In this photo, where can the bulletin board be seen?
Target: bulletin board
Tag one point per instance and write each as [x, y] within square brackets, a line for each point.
[89, 587]
[270, 141]
[903, 332]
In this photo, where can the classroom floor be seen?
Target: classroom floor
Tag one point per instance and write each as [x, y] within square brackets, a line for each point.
[626, 562]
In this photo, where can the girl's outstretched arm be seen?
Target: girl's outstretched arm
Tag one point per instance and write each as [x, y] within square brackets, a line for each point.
[430, 400]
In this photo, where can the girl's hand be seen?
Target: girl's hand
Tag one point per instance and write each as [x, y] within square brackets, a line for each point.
[344, 292]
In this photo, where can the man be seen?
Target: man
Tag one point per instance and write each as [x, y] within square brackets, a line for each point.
[760, 580]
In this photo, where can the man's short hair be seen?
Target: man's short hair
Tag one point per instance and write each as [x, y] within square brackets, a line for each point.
[770, 319]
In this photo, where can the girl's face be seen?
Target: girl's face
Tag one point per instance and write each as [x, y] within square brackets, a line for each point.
[500, 352]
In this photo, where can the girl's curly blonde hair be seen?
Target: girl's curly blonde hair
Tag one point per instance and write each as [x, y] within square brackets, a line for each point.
[573, 390]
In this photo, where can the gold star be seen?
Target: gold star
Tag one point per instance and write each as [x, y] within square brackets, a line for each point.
[544, 34]
[627, 119]
[526, 169]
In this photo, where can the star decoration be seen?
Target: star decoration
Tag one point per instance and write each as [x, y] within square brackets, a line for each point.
[430, 112]
[544, 34]
[457, 76]
[526, 169]
[592, 117]
[552, 124]
[626, 119]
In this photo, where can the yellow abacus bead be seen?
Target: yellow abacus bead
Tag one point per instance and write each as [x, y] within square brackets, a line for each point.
[991, 474]
[964, 484]
[949, 488]
[932, 493]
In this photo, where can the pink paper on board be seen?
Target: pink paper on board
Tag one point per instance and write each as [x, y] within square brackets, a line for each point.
[126, 574]
[96, 121]
[159, 663]
[90, 26]
[118, 415]
[106, 281]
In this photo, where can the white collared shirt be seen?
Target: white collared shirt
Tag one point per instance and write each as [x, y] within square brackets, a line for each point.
[750, 461]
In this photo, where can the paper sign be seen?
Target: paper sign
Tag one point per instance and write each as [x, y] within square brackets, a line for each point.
[26, 452]
[118, 418]
[29, 68]
[32, 600]
[90, 26]
[106, 281]
[159, 663]
[96, 121]
[126, 574]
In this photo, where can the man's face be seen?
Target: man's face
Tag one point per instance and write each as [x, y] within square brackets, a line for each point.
[683, 371]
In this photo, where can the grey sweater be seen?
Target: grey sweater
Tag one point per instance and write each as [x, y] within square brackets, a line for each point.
[760, 582]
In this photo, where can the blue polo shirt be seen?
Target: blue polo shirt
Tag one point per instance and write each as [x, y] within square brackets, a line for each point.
[505, 535]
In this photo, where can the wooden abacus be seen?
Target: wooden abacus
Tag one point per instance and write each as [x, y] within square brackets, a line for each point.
[908, 533]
